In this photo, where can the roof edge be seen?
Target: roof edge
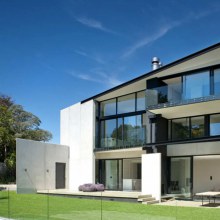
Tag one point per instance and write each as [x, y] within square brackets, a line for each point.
[181, 60]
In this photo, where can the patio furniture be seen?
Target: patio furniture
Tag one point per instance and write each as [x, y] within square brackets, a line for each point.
[210, 195]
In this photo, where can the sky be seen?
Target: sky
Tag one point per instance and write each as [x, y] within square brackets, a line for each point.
[55, 53]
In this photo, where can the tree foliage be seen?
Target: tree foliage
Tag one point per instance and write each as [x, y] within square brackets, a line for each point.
[15, 122]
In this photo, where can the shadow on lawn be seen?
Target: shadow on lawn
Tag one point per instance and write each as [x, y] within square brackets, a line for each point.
[211, 205]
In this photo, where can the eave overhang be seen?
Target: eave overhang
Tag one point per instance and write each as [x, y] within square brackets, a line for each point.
[207, 57]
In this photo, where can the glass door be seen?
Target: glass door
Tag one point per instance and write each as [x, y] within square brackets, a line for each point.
[180, 176]
[113, 174]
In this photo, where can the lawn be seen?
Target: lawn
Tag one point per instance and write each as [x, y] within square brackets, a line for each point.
[32, 206]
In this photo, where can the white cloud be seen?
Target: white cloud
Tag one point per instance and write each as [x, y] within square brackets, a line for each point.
[149, 39]
[163, 30]
[92, 23]
[94, 57]
[98, 77]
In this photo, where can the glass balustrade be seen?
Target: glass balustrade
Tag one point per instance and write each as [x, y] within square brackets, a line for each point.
[164, 94]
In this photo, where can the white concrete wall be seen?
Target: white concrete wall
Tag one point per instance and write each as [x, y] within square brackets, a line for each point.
[78, 132]
[193, 149]
[204, 167]
[151, 175]
[36, 163]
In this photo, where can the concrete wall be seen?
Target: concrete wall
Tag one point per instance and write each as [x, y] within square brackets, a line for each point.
[151, 175]
[193, 149]
[35, 164]
[204, 168]
[78, 132]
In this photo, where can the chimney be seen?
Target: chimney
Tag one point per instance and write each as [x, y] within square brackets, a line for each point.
[156, 63]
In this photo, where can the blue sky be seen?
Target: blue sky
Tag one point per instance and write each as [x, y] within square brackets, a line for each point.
[54, 53]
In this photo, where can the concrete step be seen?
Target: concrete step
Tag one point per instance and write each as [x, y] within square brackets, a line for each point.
[146, 199]
[151, 202]
[144, 196]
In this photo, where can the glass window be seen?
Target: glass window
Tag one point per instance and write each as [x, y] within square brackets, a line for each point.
[108, 107]
[215, 124]
[197, 127]
[140, 129]
[108, 133]
[196, 85]
[217, 82]
[129, 130]
[180, 176]
[134, 130]
[126, 104]
[141, 101]
[120, 132]
[180, 128]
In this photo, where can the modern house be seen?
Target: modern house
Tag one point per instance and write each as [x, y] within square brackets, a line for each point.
[158, 133]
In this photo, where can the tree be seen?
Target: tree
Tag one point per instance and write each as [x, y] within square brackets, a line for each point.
[15, 122]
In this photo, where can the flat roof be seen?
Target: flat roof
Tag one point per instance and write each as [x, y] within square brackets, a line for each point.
[154, 72]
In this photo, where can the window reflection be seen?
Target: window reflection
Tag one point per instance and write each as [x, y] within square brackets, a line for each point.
[134, 130]
[141, 101]
[215, 124]
[196, 85]
[108, 107]
[126, 104]
[180, 128]
[197, 127]
[217, 82]
[108, 133]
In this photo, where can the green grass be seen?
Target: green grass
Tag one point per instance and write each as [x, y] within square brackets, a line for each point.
[32, 206]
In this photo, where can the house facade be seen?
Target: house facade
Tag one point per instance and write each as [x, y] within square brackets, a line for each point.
[173, 111]
[158, 133]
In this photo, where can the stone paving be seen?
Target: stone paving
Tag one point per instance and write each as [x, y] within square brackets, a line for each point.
[197, 203]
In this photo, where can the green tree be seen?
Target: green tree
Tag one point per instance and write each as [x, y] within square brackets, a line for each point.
[15, 122]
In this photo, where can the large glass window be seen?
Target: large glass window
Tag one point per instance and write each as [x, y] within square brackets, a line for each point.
[120, 132]
[217, 82]
[125, 131]
[129, 130]
[134, 130]
[126, 104]
[180, 128]
[132, 174]
[108, 133]
[215, 124]
[197, 127]
[180, 176]
[196, 85]
[108, 107]
[141, 101]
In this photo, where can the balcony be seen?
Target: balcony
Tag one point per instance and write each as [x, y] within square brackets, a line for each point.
[176, 94]
[131, 137]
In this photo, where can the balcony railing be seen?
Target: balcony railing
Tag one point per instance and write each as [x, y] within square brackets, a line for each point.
[164, 94]
[130, 138]
[174, 94]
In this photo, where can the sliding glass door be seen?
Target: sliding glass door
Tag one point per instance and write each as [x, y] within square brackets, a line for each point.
[180, 176]
[113, 177]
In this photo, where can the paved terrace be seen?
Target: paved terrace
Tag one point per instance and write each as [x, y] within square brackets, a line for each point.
[106, 194]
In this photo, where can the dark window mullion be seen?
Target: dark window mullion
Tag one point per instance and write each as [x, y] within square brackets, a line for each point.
[212, 82]
[116, 106]
[135, 101]
[207, 125]
[122, 130]
[190, 127]
[117, 132]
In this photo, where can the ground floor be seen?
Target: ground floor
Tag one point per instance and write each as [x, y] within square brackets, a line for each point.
[180, 170]
[180, 174]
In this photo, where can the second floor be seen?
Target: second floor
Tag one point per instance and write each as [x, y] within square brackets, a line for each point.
[188, 87]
